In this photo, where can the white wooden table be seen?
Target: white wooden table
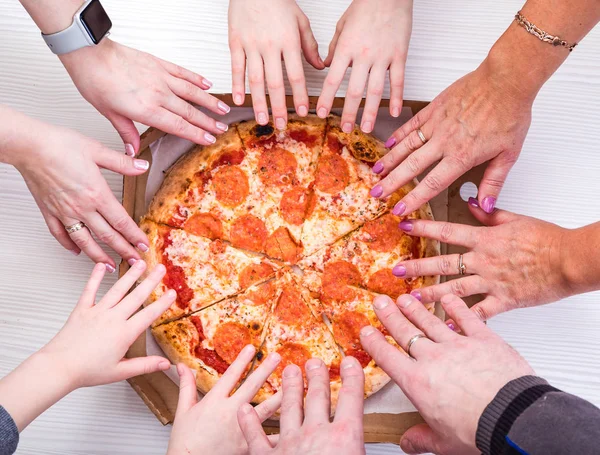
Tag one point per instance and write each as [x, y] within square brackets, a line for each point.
[556, 178]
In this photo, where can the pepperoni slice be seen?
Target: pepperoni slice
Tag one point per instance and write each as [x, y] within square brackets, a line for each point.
[334, 144]
[281, 245]
[229, 339]
[211, 358]
[277, 167]
[218, 247]
[384, 282]
[333, 174]
[294, 353]
[334, 371]
[231, 185]
[363, 358]
[383, 234]
[291, 308]
[336, 278]
[254, 273]
[249, 232]
[231, 157]
[175, 276]
[203, 177]
[294, 205]
[346, 329]
[303, 136]
[265, 293]
[204, 224]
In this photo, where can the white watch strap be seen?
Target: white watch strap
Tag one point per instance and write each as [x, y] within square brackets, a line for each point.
[72, 38]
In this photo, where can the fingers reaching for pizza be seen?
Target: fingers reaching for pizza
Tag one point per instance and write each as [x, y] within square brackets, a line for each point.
[372, 38]
[514, 261]
[260, 38]
[210, 426]
[307, 429]
[468, 369]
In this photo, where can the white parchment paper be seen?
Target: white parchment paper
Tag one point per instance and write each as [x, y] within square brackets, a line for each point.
[167, 149]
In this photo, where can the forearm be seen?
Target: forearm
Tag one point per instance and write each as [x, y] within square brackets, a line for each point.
[580, 250]
[52, 16]
[33, 387]
[18, 135]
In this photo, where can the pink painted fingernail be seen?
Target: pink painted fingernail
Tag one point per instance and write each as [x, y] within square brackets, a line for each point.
[223, 107]
[110, 268]
[209, 138]
[451, 327]
[262, 118]
[406, 225]
[75, 252]
[222, 126]
[377, 191]
[207, 83]
[142, 247]
[399, 271]
[322, 112]
[390, 142]
[280, 123]
[347, 127]
[399, 209]
[488, 204]
[142, 165]
[131, 261]
[367, 127]
[129, 150]
[237, 99]
[302, 111]
[417, 295]
[395, 112]
[378, 168]
[473, 202]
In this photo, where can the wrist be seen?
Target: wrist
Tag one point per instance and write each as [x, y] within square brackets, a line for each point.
[83, 55]
[18, 137]
[577, 246]
[57, 375]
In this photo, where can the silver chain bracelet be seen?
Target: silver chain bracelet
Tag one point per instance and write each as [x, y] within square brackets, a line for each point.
[541, 34]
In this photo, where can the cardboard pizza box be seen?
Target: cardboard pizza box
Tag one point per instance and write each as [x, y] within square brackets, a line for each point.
[161, 394]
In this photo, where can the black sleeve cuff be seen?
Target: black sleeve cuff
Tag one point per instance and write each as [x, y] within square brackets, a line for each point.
[508, 404]
[9, 433]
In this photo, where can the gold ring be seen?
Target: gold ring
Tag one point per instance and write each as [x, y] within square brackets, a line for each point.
[421, 136]
[412, 341]
[462, 268]
[74, 227]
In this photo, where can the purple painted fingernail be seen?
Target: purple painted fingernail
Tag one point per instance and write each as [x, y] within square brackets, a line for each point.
[399, 209]
[473, 202]
[399, 271]
[142, 247]
[377, 191]
[417, 295]
[451, 327]
[378, 168]
[406, 225]
[488, 204]
[129, 151]
[390, 142]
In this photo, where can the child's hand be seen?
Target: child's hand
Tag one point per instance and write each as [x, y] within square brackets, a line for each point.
[91, 346]
[211, 426]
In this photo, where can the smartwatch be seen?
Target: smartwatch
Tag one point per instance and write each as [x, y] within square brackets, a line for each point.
[90, 25]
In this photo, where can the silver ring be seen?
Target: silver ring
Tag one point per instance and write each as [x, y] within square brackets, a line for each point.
[462, 268]
[74, 227]
[412, 341]
[421, 136]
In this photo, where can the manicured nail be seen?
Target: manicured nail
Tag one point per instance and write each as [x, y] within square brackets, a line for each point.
[390, 142]
[377, 191]
[223, 107]
[488, 204]
[367, 127]
[291, 371]
[138, 264]
[207, 83]
[302, 111]
[210, 138]
[129, 151]
[274, 357]
[367, 330]
[246, 408]
[347, 127]
[395, 112]
[222, 126]
[417, 295]
[280, 123]
[262, 118]
[405, 300]
[163, 365]
[110, 268]
[237, 99]
[348, 362]
[399, 209]
[452, 327]
[143, 165]
[142, 247]
[378, 168]
[381, 301]
[399, 271]
[322, 112]
[313, 364]
[131, 261]
[406, 225]
[75, 252]
[473, 202]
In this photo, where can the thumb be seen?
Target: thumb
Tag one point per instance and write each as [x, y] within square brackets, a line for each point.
[128, 368]
[421, 439]
[188, 396]
[128, 132]
[492, 182]
[495, 218]
[119, 162]
[310, 48]
[333, 45]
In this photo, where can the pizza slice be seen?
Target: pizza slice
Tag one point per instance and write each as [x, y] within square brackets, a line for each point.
[202, 271]
[209, 340]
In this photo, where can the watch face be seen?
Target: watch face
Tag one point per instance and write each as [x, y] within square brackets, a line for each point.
[96, 21]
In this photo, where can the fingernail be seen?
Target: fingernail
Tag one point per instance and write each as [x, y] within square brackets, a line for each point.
[137, 264]
[302, 111]
[262, 118]
[75, 252]
[209, 138]
[367, 330]
[141, 164]
[367, 127]
[171, 294]
[237, 99]
[399, 271]
[390, 142]
[131, 261]
[249, 348]
[473, 202]
[313, 364]
[142, 247]
[347, 127]
[405, 300]
[451, 326]
[399, 209]
[381, 301]
[417, 295]
[378, 168]
[274, 357]
[180, 369]
[207, 83]
[280, 123]
[488, 204]
[163, 365]
[406, 225]
[377, 191]
[395, 112]
[322, 112]
[222, 126]
[348, 362]
[407, 446]
[223, 107]
[110, 268]
[129, 151]
[246, 408]
[291, 371]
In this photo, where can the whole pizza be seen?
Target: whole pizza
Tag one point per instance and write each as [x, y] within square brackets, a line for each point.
[271, 238]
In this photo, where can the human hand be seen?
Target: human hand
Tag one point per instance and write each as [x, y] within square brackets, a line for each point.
[515, 260]
[478, 118]
[89, 349]
[452, 377]
[210, 426]
[62, 171]
[372, 37]
[261, 36]
[127, 85]
[307, 429]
